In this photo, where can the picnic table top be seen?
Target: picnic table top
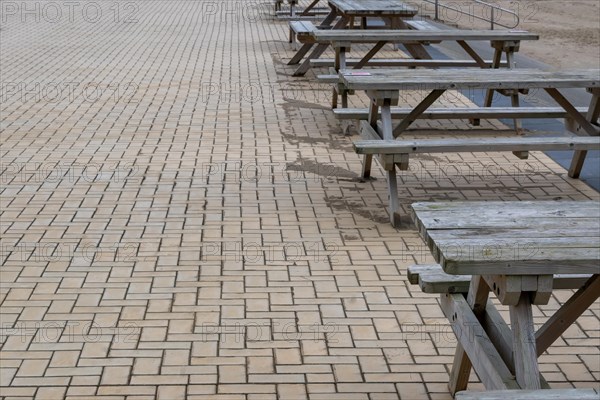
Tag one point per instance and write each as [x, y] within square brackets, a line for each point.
[373, 7]
[512, 238]
[432, 79]
[404, 34]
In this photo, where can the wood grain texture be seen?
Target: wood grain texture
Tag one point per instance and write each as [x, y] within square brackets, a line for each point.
[476, 237]
[456, 113]
[422, 35]
[433, 79]
[373, 8]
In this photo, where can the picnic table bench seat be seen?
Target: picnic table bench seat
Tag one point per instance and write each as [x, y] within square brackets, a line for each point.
[431, 278]
[541, 394]
[405, 62]
[395, 152]
[300, 30]
[456, 113]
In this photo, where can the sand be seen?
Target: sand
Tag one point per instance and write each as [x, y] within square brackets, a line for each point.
[569, 29]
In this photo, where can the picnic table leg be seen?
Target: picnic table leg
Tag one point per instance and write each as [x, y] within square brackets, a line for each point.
[320, 49]
[388, 134]
[368, 158]
[489, 95]
[525, 355]
[340, 64]
[328, 19]
[417, 111]
[514, 99]
[310, 7]
[461, 367]
[417, 51]
[300, 53]
[561, 320]
[592, 116]
[363, 61]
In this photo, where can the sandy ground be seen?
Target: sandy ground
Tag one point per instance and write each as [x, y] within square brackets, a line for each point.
[569, 29]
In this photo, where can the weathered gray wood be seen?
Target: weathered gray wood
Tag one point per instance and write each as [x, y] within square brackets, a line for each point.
[490, 367]
[416, 111]
[455, 113]
[425, 79]
[387, 134]
[401, 62]
[471, 52]
[477, 299]
[567, 314]
[593, 114]
[300, 54]
[403, 35]
[559, 208]
[525, 356]
[366, 8]
[485, 254]
[586, 125]
[544, 394]
[475, 145]
[369, 55]
[413, 272]
[431, 278]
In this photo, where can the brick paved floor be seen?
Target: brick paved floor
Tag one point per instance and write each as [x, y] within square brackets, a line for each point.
[181, 218]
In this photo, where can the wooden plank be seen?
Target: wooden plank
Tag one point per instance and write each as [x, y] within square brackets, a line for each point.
[525, 355]
[477, 299]
[373, 8]
[545, 394]
[567, 314]
[426, 79]
[540, 261]
[415, 271]
[586, 125]
[403, 35]
[474, 144]
[416, 111]
[459, 113]
[432, 279]
[402, 62]
[490, 367]
[500, 234]
[506, 287]
[592, 115]
[501, 335]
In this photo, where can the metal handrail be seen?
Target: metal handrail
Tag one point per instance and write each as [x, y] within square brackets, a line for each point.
[493, 12]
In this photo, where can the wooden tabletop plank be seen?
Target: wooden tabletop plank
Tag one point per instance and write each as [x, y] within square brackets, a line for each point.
[527, 237]
[432, 79]
[370, 36]
[373, 7]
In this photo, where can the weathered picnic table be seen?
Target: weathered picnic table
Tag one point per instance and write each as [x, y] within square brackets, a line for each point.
[392, 11]
[383, 87]
[507, 42]
[513, 250]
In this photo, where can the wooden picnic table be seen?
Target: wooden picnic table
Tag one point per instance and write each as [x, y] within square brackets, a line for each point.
[510, 249]
[383, 87]
[392, 11]
[503, 41]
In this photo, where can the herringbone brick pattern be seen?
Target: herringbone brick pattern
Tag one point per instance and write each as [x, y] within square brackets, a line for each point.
[182, 219]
